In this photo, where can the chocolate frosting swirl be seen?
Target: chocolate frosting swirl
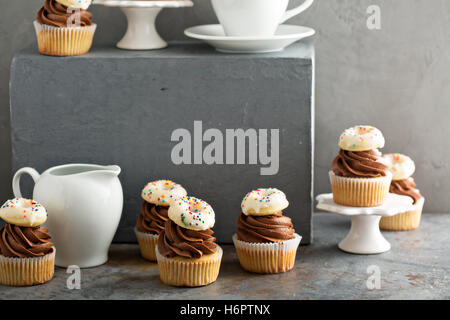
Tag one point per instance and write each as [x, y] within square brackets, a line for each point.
[405, 187]
[152, 218]
[24, 242]
[55, 14]
[360, 164]
[265, 229]
[177, 241]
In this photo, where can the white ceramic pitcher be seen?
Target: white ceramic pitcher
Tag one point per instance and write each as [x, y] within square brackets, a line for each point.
[84, 204]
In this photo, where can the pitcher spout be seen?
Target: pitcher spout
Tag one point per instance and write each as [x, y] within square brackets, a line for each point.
[113, 170]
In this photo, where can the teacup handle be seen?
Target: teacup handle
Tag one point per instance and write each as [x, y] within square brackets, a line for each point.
[16, 180]
[293, 12]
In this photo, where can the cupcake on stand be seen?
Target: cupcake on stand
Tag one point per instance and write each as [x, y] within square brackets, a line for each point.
[360, 181]
[358, 176]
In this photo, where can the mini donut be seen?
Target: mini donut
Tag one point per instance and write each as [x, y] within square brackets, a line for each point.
[81, 4]
[192, 213]
[361, 138]
[23, 212]
[161, 192]
[263, 202]
[401, 166]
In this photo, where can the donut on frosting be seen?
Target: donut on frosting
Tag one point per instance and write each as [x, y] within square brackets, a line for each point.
[263, 202]
[361, 138]
[23, 212]
[192, 213]
[401, 166]
[81, 4]
[161, 192]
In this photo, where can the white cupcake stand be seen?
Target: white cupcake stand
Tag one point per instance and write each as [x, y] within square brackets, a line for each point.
[364, 236]
[141, 32]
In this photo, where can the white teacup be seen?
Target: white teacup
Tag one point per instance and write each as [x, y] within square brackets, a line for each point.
[254, 18]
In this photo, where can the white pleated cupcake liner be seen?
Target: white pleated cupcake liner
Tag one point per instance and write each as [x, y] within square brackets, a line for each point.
[27, 271]
[68, 41]
[147, 244]
[187, 273]
[360, 192]
[267, 257]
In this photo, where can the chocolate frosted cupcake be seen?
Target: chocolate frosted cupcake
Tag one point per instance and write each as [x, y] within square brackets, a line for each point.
[265, 241]
[402, 168]
[64, 27]
[187, 253]
[358, 176]
[27, 255]
[157, 197]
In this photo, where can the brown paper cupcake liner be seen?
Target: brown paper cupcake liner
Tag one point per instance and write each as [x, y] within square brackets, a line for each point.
[267, 257]
[27, 271]
[359, 192]
[405, 221]
[183, 272]
[147, 244]
[70, 41]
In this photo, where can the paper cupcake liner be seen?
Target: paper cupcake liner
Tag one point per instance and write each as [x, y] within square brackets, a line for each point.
[27, 271]
[147, 244]
[69, 41]
[405, 221]
[267, 257]
[359, 192]
[182, 272]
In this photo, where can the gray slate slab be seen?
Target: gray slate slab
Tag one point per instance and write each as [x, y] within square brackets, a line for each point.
[120, 107]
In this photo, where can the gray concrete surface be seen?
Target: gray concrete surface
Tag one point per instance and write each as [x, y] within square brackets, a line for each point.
[395, 78]
[132, 103]
[417, 267]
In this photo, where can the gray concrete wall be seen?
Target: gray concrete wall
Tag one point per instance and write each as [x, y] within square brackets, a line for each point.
[395, 78]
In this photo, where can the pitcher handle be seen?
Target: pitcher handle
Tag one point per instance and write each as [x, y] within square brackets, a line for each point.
[293, 12]
[16, 180]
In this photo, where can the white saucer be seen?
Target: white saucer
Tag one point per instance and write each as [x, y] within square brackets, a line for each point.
[214, 35]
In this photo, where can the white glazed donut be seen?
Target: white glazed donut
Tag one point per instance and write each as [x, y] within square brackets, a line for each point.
[81, 4]
[23, 212]
[192, 213]
[263, 202]
[401, 166]
[161, 192]
[361, 138]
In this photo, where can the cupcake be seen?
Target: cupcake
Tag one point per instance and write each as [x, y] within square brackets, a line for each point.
[358, 176]
[265, 241]
[27, 257]
[402, 168]
[187, 253]
[64, 27]
[157, 197]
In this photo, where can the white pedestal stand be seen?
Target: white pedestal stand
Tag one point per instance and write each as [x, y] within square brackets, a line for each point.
[364, 236]
[141, 33]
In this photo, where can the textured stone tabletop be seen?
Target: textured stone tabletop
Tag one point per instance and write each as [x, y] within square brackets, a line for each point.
[417, 267]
